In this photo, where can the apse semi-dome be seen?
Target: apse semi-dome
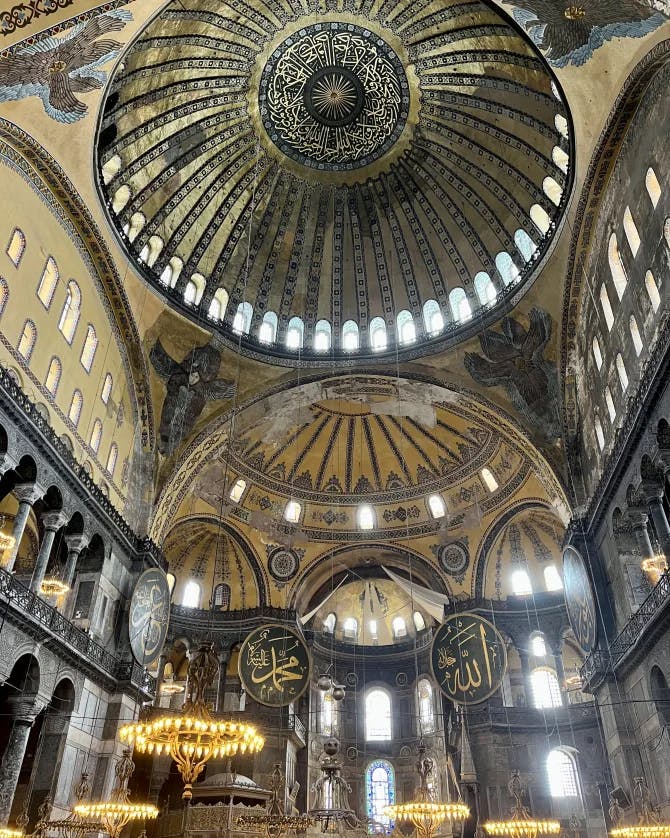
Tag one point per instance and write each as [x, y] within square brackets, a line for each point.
[350, 180]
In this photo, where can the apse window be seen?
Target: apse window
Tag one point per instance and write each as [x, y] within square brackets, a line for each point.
[552, 578]
[366, 517]
[238, 490]
[48, 283]
[436, 506]
[380, 791]
[377, 716]
[16, 246]
[350, 628]
[399, 628]
[489, 480]
[546, 691]
[538, 647]
[292, 512]
[562, 771]
[426, 707]
[521, 583]
[419, 622]
[329, 623]
[191, 596]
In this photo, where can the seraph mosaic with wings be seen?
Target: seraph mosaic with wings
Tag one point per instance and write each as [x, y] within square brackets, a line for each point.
[570, 31]
[60, 70]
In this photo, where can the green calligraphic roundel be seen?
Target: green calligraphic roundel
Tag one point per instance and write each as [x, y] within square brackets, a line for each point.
[579, 599]
[149, 616]
[469, 658]
[274, 665]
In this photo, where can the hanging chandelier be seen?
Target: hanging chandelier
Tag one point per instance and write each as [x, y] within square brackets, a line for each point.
[117, 812]
[194, 736]
[424, 812]
[53, 587]
[6, 832]
[276, 822]
[520, 824]
[331, 790]
[74, 826]
[648, 825]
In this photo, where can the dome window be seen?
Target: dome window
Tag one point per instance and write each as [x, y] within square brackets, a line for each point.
[432, 317]
[242, 319]
[525, 245]
[460, 305]
[552, 190]
[399, 628]
[546, 691]
[366, 517]
[436, 506]
[606, 306]
[508, 271]
[406, 327]
[238, 490]
[617, 269]
[485, 289]
[419, 622]
[350, 336]
[562, 773]
[191, 596]
[268, 328]
[597, 354]
[609, 401]
[521, 583]
[652, 291]
[489, 479]
[631, 231]
[621, 371]
[600, 436]
[322, 336]
[377, 334]
[560, 158]
[329, 623]
[552, 578]
[635, 335]
[295, 333]
[561, 124]
[292, 512]
[378, 716]
[540, 219]
[653, 187]
[538, 647]
[218, 305]
[350, 628]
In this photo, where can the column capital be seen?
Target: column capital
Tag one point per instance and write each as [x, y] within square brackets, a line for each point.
[54, 519]
[652, 490]
[77, 541]
[638, 518]
[27, 493]
[23, 709]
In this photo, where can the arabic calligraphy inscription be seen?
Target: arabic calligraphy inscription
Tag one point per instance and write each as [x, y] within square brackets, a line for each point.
[149, 616]
[469, 658]
[579, 599]
[274, 665]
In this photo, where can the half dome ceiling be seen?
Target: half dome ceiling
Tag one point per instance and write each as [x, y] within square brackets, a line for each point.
[365, 179]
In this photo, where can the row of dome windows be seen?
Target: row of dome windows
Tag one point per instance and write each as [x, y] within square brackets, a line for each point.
[350, 626]
[619, 278]
[365, 514]
[67, 325]
[461, 303]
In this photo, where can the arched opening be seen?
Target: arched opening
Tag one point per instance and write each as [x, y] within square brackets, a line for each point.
[242, 319]
[460, 305]
[54, 372]
[89, 349]
[436, 506]
[191, 595]
[485, 289]
[69, 317]
[508, 271]
[295, 333]
[538, 645]
[377, 334]
[562, 773]
[552, 578]
[27, 340]
[221, 596]
[432, 317]
[635, 335]
[597, 353]
[617, 269]
[652, 291]
[631, 231]
[350, 336]
[405, 326]
[552, 190]
[107, 388]
[380, 792]
[218, 305]
[525, 245]
[540, 218]
[426, 702]
[621, 371]
[606, 307]
[74, 414]
[521, 585]
[378, 716]
[600, 436]
[546, 690]
[47, 287]
[267, 331]
[653, 187]
[322, 336]
[609, 402]
[16, 246]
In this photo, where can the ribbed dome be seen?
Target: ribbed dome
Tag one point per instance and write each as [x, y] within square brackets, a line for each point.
[345, 182]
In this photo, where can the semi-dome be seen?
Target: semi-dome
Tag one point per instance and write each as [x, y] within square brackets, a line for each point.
[353, 182]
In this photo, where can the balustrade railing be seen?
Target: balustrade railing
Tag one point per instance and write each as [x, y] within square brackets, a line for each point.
[527, 717]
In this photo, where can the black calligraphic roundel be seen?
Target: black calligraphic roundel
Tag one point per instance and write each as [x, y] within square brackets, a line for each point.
[274, 665]
[469, 658]
[579, 599]
[149, 616]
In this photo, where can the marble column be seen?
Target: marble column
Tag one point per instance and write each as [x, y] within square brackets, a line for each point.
[75, 544]
[23, 717]
[26, 494]
[224, 657]
[639, 521]
[52, 521]
[660, 520]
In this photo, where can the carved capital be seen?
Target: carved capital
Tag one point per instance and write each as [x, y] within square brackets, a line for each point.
[54, 520]
[27, 493]
[77, 542]
[23, 709]
[638, 518]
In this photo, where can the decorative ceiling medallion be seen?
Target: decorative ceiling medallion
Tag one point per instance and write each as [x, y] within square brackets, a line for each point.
[453, 558]
[334, 96]
[283, 563]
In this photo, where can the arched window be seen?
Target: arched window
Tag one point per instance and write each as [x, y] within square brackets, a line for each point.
[75, 407]
[172, 581]
[538, 646]
[292, 512]
[552, 578]
[372, 628]
[191, 596]
[350, 336]
[561, 124]
[652, 290]
[377, 716]
[609, 401]
[137, 222]
[521, 583]
[631, 231]
[366, 517]
[377, 334]
[419, 622]
[171, 273]
[16, 246]
[218, 305]
[107, 388]
[436, 506]
[600, 436]
[399, 628]
[506, 268]
[327, 713]
[426, 706]
[295, 333]
[432, 317]
[540, 218]
[4, 293]
[546, 691]
[621, 371]
[485, 289]
[221, 596]
[552, 190]
[27, 340]
[322, 336]
[88, 352]
[69, 316]
[460, 305]
[653, 187]
[329, 623]
[112, 458]
[405, 326]
[238, 490]
[53, 375]
[489, 479]
[562, 772]
[616, 266]
[96, 435]
[524, 244]
[121, 198]
[198, 282]
[267, 331]
[190, 292]
[242, 319]
[47, 287]
[560, 158]
[635, 334]
[597, 354]
[152, 250]
[350, 628]
[380, 791]
[606, 307]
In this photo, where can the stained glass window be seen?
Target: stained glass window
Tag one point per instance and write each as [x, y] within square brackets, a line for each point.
[380, 790]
